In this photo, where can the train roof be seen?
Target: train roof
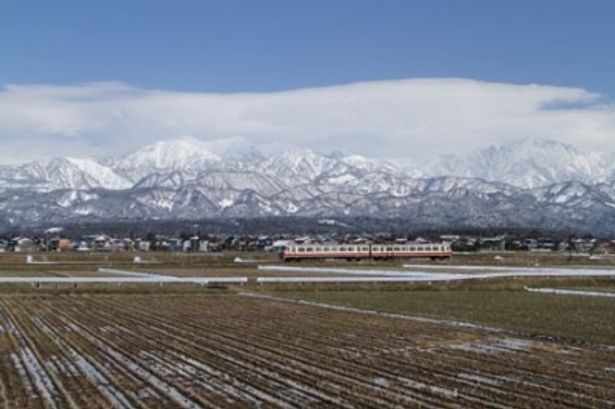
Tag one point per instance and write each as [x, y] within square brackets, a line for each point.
[413, 243]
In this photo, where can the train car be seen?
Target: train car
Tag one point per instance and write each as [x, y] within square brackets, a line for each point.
[434, 251]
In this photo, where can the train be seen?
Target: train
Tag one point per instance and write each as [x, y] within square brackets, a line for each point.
[434, 251]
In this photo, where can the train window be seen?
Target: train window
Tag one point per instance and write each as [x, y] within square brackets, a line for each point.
[309, 249]
[412, 248]
[365, 249]
[325, 249]
[301, 249]
[389, 248]
[395, 248]
[404, 248]
[317, 249]
[342, 248]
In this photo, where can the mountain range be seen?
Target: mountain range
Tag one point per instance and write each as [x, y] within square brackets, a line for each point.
[523, 183]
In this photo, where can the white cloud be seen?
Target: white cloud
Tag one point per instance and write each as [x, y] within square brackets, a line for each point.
[394, 119]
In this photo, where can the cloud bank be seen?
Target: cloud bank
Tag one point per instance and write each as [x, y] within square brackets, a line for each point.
[404, 119]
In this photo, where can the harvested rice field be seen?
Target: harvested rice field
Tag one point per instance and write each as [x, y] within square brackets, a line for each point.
[224, 349]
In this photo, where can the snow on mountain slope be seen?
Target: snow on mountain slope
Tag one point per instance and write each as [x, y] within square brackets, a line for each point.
[264, 184]
[527, 163]
[574, 194]
[95, 174]
[370, 165]
[179, 154]
[73, 173]
[235, 149]
[522, 183]
[297, 164]
[27, 176]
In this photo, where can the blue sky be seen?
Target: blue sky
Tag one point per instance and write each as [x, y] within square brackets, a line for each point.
[268, 45]
[425, 77]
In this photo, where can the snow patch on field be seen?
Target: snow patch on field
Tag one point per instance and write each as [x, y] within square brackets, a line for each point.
[557, 291]
[418, 275]
[43, 384]
[500, 345]
[422, 276]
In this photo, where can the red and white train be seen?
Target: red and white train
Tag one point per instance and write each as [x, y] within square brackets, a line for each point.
[435, 251]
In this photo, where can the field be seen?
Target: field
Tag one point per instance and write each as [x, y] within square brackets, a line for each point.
[475, 343]
[229, 350]
[576, 318]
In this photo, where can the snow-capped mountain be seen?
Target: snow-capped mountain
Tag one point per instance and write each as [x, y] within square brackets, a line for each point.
[525, 183]
[74, 173]
[528, 163]
[63, 173]
[185, 154]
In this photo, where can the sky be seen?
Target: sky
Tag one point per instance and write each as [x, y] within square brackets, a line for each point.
[392, 79]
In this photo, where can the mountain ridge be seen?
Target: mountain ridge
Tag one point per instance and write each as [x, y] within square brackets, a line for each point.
[556, 186]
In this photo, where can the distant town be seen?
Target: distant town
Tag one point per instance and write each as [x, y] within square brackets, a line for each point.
[55, 239]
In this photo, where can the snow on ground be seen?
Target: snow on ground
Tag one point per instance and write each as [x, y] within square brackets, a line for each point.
[123, 280]
[359, 272]
[132, 273]
[558, 291]
[420, 276]
[495, 268]
[363, 279]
